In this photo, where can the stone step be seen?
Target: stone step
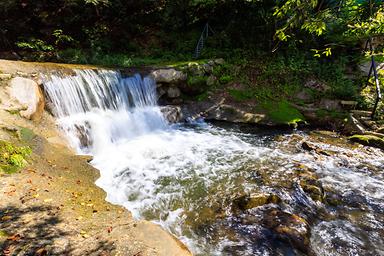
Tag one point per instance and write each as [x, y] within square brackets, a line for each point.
[348, 103]
[370, 124]
[361, 113]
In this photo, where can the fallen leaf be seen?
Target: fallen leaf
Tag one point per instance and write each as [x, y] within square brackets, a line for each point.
[14, 237]
[5, 218]
[41, 252]
[10, 193]
[84, 234]
[8, 250]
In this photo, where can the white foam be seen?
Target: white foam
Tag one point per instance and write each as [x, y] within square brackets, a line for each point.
[162, 172]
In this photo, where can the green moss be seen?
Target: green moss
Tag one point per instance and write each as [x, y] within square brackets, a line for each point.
[225, 79]
[203, 96]
[197, 81]
[368, 140]
[12, 158]
[283, 113]
[323, 113]
[26, 134]
[3, 233]
[241, 95]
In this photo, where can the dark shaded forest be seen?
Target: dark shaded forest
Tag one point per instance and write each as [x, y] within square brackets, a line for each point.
[287, 42]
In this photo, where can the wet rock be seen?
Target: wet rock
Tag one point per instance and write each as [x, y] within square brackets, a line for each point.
[82, 133]
[161, 91]
[333, 198]
[173, 92]
[232, 114]
[307, 147]
[172, 114]
[170, 76]
[5, 77]
[314, 191]
[353, 126]
[309, 182]
[29, 96]
[247, 202]
[288, 227]
[368, 140]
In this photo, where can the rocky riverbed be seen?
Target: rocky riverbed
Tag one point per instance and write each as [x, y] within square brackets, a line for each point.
[257, 190]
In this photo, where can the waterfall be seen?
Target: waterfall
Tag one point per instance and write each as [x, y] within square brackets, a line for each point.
[188, 177]
[98, 107]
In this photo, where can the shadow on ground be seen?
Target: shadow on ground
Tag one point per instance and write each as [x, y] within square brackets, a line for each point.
[39, 230]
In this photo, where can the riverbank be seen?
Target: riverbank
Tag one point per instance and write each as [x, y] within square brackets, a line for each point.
[52, 206]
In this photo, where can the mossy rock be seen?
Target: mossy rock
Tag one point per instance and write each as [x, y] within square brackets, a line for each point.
[283, 113]
[368, 140]
[255, 200]
[195, 85]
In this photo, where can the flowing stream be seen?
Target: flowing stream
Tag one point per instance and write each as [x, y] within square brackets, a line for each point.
[222, 190]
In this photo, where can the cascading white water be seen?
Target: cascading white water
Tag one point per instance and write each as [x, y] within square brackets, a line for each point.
[97, 108]
[179, 176]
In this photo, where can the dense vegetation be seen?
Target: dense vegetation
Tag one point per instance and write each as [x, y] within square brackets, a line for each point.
[292, 39]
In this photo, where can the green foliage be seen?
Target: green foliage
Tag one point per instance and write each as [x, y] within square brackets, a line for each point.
[323, 113]
[225, 79]
[241, 95]
[333, 23]
[11, 157]
[283, 113]
[16, 160]
[35, 45]
[197, 81]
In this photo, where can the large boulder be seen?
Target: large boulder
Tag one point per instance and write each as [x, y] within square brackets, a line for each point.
[28, 95]
[170, 76]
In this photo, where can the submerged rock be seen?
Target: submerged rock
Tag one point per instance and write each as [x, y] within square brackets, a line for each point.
[288, 227]
[247, 202]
